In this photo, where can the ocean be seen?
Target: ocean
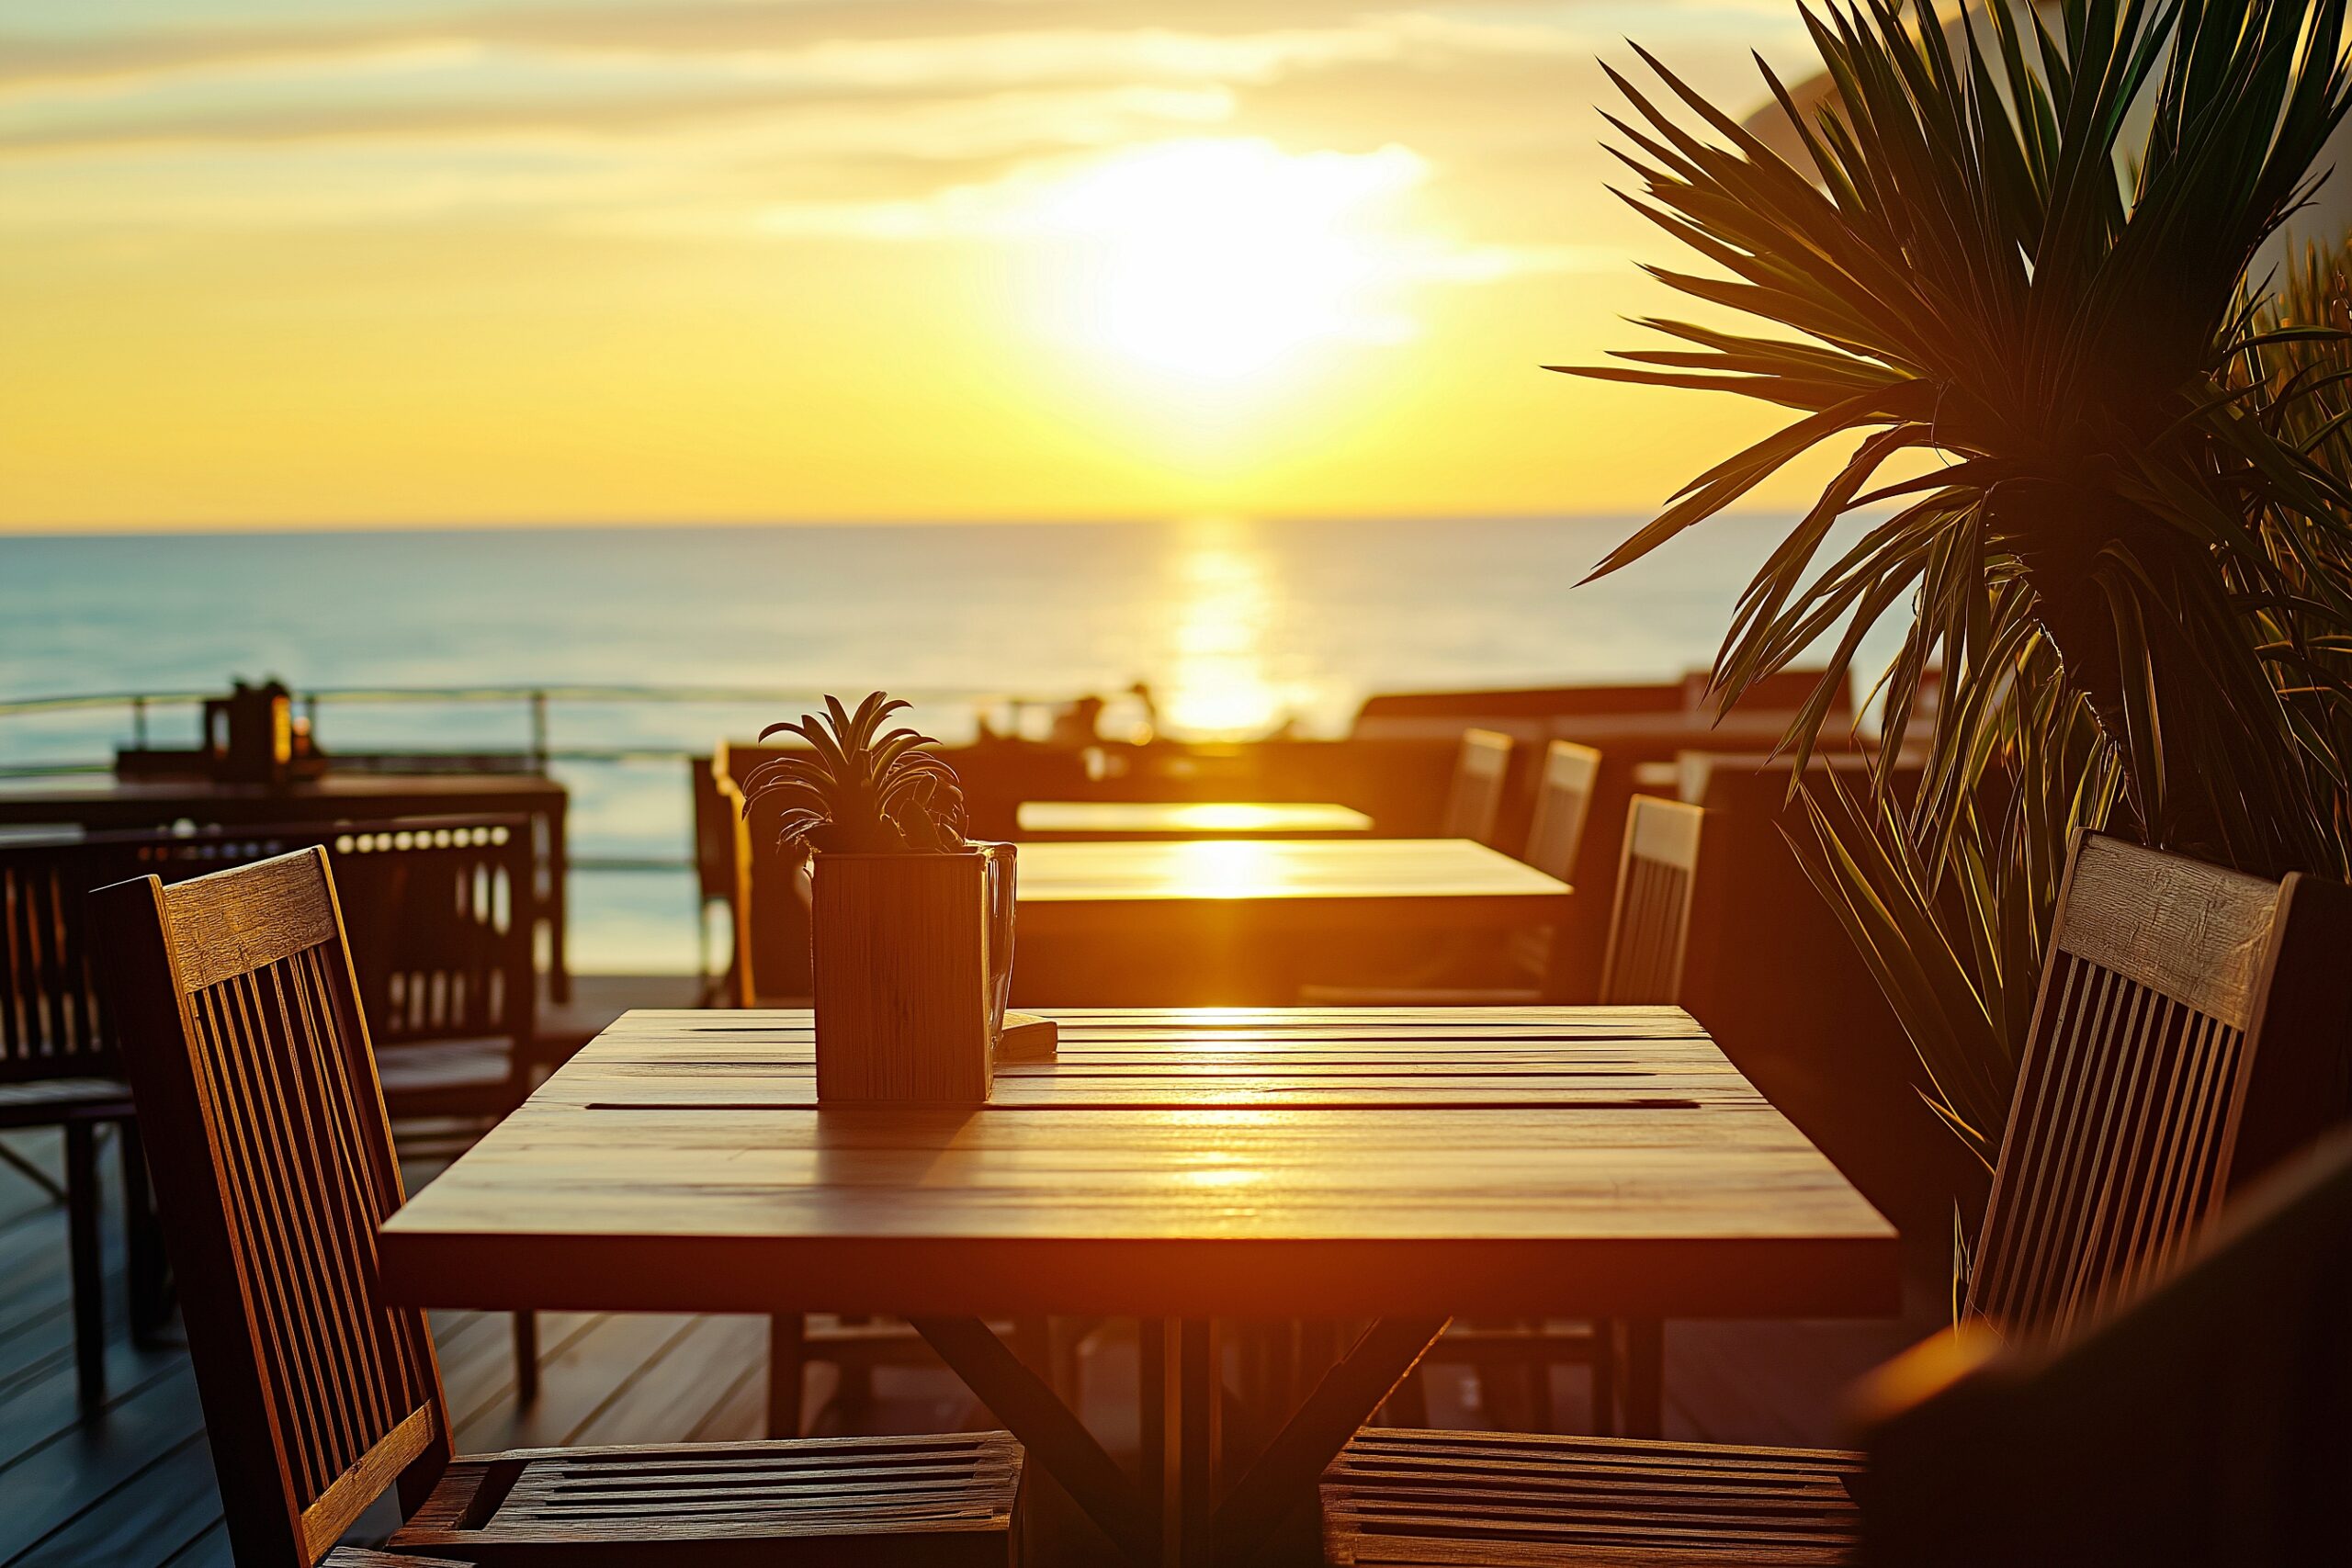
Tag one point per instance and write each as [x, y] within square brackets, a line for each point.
[1235, 627]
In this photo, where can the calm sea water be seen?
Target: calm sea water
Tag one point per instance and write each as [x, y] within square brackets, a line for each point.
[1236, 625]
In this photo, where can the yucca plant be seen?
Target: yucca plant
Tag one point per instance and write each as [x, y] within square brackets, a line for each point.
[2132, 558]
[859, 790]
[1957, 942]
[1982, 273]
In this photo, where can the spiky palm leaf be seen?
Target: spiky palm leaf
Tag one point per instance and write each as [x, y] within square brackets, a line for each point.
[1954, 931]
[1976, 279]
[859, 792]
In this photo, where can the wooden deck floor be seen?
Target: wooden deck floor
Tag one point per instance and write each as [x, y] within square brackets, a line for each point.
[133, 1488]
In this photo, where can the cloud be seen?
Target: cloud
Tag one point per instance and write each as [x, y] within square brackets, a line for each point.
[837, 118]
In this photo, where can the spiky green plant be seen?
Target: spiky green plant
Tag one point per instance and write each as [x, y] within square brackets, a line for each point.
[1980, 272]
[857, 791]
[1956, 943]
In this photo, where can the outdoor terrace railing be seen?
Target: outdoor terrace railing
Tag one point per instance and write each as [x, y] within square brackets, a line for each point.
[536, 709]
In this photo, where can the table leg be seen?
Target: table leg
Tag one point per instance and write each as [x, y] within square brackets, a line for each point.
[1151, 1413]
[1181, 1517]
[1050, 1431]
[1644, 1378]
[558, 883]
[1188, 1527]
[1281, 1479]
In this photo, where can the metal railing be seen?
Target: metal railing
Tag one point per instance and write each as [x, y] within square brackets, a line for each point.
[534, 704]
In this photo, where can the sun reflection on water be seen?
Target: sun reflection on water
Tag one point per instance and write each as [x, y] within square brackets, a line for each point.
[1218, 682]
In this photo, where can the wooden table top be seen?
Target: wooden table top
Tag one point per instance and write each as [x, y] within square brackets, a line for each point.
[1191, 818]
[1371, 876]
[1281, 1163]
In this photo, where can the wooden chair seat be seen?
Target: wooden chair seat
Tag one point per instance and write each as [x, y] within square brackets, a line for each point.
[944, 1500]
[1493, 1500]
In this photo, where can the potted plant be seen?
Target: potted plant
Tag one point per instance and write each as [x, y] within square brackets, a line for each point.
[910, 923]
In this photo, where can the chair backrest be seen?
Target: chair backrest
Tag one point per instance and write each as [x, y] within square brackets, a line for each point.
[2191, 1027]
[50, 1023]
[1481, 769]
[1563, 804]
[2202, 1422]
[238, 1011]
[441, 928]
[1649, 925]
[440, 924]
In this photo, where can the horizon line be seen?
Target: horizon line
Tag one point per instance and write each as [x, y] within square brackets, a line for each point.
[616, 524]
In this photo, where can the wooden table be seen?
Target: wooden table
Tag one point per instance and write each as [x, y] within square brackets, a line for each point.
[1049, 819]
[1247, 921]
[1365, 881]
[100, 802]
[1182, 1168]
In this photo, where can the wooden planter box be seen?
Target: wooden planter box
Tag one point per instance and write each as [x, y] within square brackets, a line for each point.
[912, 960]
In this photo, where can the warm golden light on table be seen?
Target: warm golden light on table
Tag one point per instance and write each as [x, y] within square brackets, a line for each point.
[1193, 818]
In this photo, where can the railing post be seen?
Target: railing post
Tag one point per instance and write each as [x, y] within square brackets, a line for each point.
[538, 731]
[139, 720]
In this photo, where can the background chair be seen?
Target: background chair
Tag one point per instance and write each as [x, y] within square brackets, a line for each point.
[2190, 1033]
[1650, 932]
[239, 1011]
[440, 905]
[1521, 972]
[1473, 803]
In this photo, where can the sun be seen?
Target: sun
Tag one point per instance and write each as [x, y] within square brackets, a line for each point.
[1222, 258]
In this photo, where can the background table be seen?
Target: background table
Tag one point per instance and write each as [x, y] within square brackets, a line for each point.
[99, 803]
[1248, 922]
[1180, 1168]
[1359, 881]
[1047, 819]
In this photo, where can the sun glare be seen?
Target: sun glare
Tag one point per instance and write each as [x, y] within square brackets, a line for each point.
[1222, 259]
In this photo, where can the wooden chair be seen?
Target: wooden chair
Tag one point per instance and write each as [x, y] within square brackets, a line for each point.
[2203, 1423]
[1649, 932]
[1563, 805]
[59, 1068]
[442, 941]
[1474, 804]
[240, 1018]
[2190, 1033]
[1649, 925]
[1521, 974]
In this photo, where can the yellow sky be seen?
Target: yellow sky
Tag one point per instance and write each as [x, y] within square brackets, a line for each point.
[331, 262]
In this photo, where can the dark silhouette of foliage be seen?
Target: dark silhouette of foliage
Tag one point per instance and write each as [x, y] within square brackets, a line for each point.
[857, 792]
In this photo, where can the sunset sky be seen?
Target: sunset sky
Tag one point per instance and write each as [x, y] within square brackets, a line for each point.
[365, 262]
